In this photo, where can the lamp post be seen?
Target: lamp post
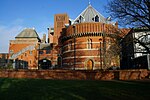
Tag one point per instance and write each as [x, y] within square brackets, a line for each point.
[104, 50]
[38, 55]
[100, 53]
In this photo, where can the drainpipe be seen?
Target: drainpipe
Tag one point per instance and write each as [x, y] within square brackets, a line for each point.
[74, 48]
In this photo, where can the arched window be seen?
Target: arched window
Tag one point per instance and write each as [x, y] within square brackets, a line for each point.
[89, 44]
[90, 64]
[70, 46]
[59, 61]
[81, 19]
[69, 22]
[96, 18]
[109, 41]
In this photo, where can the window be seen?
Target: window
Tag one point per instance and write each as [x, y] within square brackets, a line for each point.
[30, 61]
[109, 41]
[70, 22]
[11, 51]
[93, 18]
[96, 18]
[21, 57]
[70, 45]
[48, 51]
[30, 52]
[81, 19]
[77, 21]
[40, 52]
[89, 44]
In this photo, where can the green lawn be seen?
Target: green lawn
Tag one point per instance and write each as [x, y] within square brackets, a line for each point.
[39, 89]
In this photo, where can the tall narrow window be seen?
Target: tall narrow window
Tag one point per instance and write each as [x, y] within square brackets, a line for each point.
[109, 41]
[69, 22]
[89, 44]
[25, 54]
[96, 18]
[48, 51]
[30, 61]
[81, 19]
[41, 52]
[30, 52]
[70, 45]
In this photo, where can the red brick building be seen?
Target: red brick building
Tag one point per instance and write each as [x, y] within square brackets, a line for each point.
[3, 60]
[23, 51]
[86, 43]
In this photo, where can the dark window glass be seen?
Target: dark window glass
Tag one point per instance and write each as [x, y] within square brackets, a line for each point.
[48, 51]
[96, 18]
[40, 52]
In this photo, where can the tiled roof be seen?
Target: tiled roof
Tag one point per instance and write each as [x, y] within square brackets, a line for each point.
[89, 14]
[28, 33]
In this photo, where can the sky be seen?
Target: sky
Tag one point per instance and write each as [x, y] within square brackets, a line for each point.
[16, 15]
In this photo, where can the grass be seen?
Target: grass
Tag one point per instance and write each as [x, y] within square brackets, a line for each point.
[40, 89]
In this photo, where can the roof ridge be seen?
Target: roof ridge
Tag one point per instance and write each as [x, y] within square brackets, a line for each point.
[88, 14]
[28, 33]
[81, 12]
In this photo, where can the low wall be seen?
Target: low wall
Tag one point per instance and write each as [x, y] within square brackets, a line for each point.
[77, 75]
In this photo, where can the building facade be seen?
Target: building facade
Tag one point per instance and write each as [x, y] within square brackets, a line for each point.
[23, 51]
[3, 60]
[87, 43]
[135, 51]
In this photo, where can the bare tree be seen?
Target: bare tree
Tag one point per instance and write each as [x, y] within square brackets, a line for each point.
[142, 38]
[131, 12]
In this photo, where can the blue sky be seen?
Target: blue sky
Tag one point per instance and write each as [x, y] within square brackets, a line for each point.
[15, 15]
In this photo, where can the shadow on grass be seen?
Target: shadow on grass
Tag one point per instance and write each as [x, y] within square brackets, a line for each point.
[39, 89]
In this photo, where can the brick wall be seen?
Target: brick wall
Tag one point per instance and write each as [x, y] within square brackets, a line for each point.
[77, 75]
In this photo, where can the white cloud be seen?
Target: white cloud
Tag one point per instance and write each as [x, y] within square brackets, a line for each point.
[8, 33]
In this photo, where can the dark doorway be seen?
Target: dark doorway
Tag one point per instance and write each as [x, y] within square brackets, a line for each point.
[45, 64]
[59, 62]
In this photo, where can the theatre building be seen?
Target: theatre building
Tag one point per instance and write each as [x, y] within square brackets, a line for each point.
[88, 42]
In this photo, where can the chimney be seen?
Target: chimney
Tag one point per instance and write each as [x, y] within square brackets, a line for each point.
[44, 38]
[50, 35]
[116, 24]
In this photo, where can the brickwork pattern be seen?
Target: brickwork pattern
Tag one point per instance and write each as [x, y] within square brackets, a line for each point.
[77, 74]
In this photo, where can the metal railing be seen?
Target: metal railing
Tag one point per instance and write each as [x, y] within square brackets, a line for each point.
[31, 47]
